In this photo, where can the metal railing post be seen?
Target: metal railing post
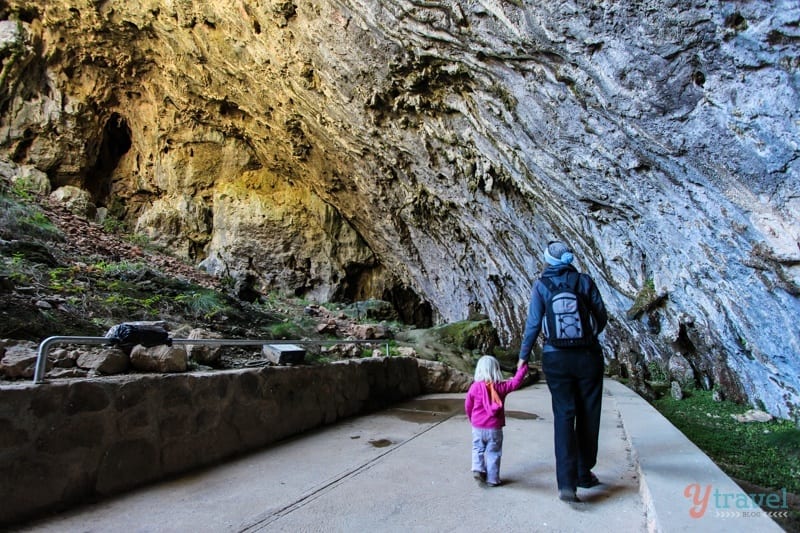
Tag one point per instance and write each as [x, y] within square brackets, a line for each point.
[44, 351]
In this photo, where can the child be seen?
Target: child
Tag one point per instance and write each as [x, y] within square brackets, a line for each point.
[484, 407]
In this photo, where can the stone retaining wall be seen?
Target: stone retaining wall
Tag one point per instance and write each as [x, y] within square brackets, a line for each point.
[65, 441]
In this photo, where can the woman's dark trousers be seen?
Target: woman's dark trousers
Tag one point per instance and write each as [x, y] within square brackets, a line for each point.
[575, 380]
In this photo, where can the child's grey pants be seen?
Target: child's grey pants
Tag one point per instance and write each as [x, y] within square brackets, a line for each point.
[487, 448]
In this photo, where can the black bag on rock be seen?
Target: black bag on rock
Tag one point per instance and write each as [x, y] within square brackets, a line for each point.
[147, 335]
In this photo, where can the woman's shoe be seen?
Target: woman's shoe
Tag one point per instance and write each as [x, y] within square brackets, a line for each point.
[566, 495]
[592, 481]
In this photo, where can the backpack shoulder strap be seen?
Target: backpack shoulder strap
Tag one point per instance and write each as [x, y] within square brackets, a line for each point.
[576, 283]
[571, 280]
[548, 282]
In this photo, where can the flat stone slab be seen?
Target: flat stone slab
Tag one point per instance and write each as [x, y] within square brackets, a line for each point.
[284, 354]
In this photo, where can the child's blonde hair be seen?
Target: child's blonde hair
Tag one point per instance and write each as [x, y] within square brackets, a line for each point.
[488, 369]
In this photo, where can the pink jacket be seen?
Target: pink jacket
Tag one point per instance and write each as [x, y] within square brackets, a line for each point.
[481, 412]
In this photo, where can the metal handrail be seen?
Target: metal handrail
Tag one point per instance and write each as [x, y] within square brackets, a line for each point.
[45, 345]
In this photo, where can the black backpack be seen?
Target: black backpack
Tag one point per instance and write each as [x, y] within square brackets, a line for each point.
[148, 335]
[568, 320]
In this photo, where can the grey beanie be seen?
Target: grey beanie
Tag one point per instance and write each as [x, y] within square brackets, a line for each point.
[558, 253]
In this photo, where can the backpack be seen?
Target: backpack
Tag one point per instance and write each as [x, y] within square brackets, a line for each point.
[568, 321]
[148, 335]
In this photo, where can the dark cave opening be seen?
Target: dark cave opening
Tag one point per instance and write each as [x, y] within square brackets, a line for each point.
[362, 282]
[683, 343]
[410, 307]
[115, 143]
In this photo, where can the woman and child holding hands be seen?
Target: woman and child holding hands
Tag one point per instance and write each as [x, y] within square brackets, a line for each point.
[572, 362]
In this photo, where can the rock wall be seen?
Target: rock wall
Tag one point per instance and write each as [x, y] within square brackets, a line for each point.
[426, 151]
[65, 441]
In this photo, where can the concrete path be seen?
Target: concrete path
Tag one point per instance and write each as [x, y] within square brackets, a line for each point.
[408, 469]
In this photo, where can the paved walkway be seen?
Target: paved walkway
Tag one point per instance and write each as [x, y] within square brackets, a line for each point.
[408, 469]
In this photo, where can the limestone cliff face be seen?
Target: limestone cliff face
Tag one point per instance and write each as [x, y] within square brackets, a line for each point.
[423, 152]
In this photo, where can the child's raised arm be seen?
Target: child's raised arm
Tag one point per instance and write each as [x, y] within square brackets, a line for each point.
[514, 383]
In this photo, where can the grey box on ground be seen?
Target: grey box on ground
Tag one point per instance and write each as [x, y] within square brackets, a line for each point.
[284, 354]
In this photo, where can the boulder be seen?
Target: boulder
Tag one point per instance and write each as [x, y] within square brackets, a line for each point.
[676, 391]
[327, 327]
[343, 351]
[681, 370]
[440, 378]
[62, 358]
[64, 373]
[76, 200]
[106, 361]
[32, 179]
[159, 358]
[753, 415]
[406, 351]
[203, 354]
[367, 331]
[19, 359]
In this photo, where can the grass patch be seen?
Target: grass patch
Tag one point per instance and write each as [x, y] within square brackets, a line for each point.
[657, 372]
[66, 280]
[16, 269]
[21, 219]
[202, 303]
[468, 334]
[285, 330]
[763, 453]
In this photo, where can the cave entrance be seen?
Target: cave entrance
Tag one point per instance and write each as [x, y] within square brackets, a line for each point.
[362, 282]
[410, 307]
[115, 143]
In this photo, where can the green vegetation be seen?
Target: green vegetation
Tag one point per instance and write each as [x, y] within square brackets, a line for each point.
[284, 330]
[646, 299]
[763, 453]
[203, 303]
[469, 334]
[380, 344]
[114, 225]
[141, 240]
[366, 352]
[62, 280]
[38, 220]
[120, 269]
[657, 372]
[139, 308]
[20, 216]
[393, 348]
[14, 269]
[101, 293]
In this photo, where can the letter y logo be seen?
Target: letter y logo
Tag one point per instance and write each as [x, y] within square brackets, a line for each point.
[699, 499]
